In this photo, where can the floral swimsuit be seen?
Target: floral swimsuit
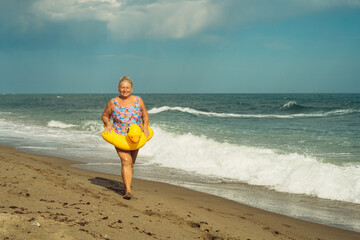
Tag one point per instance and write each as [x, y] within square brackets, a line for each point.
[123, 117]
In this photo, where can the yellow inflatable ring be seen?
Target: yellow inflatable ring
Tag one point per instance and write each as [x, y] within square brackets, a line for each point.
[134, 140]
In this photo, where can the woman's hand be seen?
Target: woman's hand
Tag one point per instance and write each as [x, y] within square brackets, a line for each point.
[109, 128]
[146, 131]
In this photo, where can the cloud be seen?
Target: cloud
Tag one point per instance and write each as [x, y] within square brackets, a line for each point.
[163, 19]
[80, 10]
[134, 19]
[242, 13]
[16, 17]
[157, 19]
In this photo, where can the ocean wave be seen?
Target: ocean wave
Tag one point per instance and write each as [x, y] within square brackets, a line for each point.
[191, 111]
[60, 141]
[237, 115]
[5, 113]
[291, 173]
[92, 126]
[58, 124]
[292, 105]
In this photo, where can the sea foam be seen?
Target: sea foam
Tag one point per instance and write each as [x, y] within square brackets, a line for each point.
[292, 173]
[157, 110]
[58, 124]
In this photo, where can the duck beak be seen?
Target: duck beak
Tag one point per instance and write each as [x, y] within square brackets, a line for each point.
[135, 139]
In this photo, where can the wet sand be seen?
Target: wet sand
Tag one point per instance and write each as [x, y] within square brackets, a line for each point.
[43, 197]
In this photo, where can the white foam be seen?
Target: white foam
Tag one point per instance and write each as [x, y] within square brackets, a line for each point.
[289, 104]
[191, 111]
[5, 113]
[63, 142]
[58, 124]
[292, 173]
[214, 114]
[92, 126]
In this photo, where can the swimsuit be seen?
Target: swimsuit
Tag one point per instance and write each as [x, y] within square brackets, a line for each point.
[123, 117]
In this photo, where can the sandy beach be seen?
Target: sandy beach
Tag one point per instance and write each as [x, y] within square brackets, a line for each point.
[43, 197]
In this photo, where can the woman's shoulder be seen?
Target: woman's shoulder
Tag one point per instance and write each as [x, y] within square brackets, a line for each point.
[112, 101]
[136, 98]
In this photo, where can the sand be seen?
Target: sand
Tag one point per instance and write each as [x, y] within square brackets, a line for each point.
[43, 197]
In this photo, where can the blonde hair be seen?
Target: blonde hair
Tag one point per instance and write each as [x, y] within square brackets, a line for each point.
[125, 79]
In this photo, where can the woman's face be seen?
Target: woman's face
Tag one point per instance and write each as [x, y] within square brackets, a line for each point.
[125, 89]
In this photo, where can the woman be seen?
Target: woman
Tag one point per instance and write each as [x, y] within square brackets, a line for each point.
[126, 110]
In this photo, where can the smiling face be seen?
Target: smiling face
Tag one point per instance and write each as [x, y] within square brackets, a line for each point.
[125, 89]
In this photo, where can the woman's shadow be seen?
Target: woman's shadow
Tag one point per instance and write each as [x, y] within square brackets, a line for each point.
[110, 184]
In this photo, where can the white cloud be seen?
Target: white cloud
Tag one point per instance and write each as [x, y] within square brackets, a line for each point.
[129, 19]
[76, 9]
[171, 19]
[134, 19]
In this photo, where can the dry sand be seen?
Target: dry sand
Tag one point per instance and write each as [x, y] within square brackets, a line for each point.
[43, 197]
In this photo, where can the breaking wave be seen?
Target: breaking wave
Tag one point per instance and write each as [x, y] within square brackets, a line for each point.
[158, 110]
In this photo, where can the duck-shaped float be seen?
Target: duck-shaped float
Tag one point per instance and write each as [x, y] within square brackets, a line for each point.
[134, 139]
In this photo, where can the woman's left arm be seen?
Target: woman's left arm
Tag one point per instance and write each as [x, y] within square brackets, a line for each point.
[145, 117]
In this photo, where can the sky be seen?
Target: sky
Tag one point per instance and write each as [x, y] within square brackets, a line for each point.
[180, 46]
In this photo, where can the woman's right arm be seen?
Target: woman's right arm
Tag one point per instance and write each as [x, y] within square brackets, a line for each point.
[106, 117]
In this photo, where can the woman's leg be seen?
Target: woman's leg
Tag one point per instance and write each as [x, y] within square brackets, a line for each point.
[134, 156]
[128, 159]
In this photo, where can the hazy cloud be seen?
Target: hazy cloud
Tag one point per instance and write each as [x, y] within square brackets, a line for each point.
[129, 19]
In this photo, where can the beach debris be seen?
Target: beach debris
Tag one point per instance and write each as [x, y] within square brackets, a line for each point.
[36, 224]
[114, 224]
[17, 212]
[194, 225]
[106, 237]
[48, 201]
[82, 223]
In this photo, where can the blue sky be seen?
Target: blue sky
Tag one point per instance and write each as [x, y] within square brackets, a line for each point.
[178, 46]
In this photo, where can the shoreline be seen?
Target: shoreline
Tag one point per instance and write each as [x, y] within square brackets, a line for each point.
[309, 208]
[72, 203]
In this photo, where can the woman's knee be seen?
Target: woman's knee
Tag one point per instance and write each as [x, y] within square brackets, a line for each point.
[127, 161]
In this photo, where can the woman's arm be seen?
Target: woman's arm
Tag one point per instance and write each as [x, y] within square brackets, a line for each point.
[145, 117]
[106, 117]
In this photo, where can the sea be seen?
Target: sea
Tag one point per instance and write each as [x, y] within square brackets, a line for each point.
[293, 154]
